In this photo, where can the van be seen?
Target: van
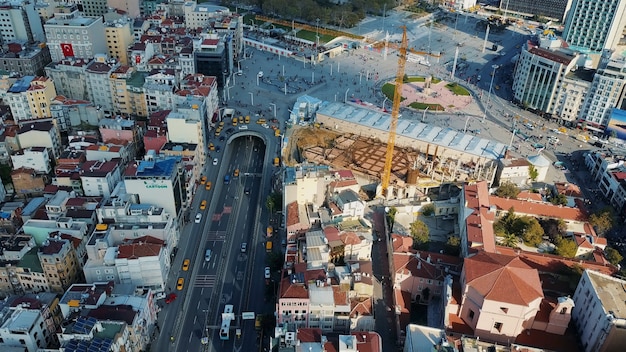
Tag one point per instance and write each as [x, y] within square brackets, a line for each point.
[207, 255]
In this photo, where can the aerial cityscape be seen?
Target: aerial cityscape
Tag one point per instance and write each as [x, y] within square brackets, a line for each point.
[312, 176]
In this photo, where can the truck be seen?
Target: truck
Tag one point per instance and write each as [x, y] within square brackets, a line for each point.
[226, 179]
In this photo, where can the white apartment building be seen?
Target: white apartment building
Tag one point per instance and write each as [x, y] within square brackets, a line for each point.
[40, 134]
[159, 90]
[70, 34]
[68, 76]
[200, 15]
[599, 313]
[100, 177]
[570, 98]
[596, 25]
[23, 328]
[607, 91]
[183, 127]
[539, 73]
[350, 204]
[36, 158]
[97, 75]
[20, 22]
[143, 265]
[608, 170]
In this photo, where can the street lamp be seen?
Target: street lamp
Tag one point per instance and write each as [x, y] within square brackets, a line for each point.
[424, 113]
[466, 122]
[384, 101]
[251, 98]
[345, 97]
[274, 105]
[493, 74]
[317, 33]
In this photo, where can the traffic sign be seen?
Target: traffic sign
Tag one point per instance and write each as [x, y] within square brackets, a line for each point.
[247, 315]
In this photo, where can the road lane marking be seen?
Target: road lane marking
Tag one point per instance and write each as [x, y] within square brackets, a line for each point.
[204, 281]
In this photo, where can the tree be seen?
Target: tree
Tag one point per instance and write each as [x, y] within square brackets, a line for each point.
[507, 190]
[613, 256]
[565, 248]
[504, 225]
[553, 227]
[420, 234]
[391, 217]
[270, 204]
[559, 199]
[510, 240]
[529, 229]
[428, 209]
[533, 173]
[603, 220]
[5, 173]
[453, 246]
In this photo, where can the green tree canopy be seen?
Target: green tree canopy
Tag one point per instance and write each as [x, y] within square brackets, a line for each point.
[613, 256]
[603, 220]
[510, 240]
[453, 246]
[565, 248]
[533, 173]
[559, 199]
[553, 227]
[420, 234]
[428, 209]
[530, 230]
[507, 190]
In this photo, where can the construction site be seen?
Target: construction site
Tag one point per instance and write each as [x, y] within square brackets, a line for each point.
[413, 171]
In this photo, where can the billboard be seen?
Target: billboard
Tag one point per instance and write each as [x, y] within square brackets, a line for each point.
[617, 124]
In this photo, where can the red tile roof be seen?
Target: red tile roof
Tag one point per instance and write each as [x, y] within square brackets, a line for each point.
[502, 278]
[479, 223]
[538, 209]
[138, 250]
[293, 217]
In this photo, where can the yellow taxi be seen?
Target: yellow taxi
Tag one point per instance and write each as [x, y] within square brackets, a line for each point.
[203, 205]
[221, 124]
[208, 186]
[276, 132]
[236, 173]
[247, 119]
[203, 180]
[180, 283]
[211, 147]
[240, 119]
[186, 264]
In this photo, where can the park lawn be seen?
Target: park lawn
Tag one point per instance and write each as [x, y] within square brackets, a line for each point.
[309, 35]
[434, 80]
[457, 89]
[423, 106]
[388, 90]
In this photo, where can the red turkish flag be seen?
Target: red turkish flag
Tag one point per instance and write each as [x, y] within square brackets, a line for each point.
[67, 49]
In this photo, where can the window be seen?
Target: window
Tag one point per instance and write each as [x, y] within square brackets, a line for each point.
[471, 314]
[563, 310]
[498, 326]
[504, 309]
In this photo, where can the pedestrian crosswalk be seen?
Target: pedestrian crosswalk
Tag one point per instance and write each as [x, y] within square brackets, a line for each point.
[205, 281]
[216, 235]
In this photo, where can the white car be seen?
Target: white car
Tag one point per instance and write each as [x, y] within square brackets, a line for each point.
[244, 127]
[215, 161]
[260, 74]
[198, 218]
[267, 272]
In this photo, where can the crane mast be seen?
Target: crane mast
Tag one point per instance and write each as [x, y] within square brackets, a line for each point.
[397, 98]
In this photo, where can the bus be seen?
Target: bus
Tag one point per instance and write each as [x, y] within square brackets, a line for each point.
[227, 317]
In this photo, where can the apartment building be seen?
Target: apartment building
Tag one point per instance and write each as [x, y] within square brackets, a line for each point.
[539, 74]
[606, 92]
[60, 263]
[143, 262]
[127, 90]
[71, 113]
[41, 230]
[36, 158]
[25, 59]
[159, 89]
[596, 25]
[599, 311]
[70, 34]
[40, 134]
[113, 130]
[608, 172]
[29, 98]
[97, 75]
[21, 22]
[119, 36]
[100, 177]
[68, 76]
[166, 175]
[554, 9]
[22, 327]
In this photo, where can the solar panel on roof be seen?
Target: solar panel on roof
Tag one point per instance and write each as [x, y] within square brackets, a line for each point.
[107, 344]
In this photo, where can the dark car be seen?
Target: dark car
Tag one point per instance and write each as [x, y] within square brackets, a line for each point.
[222, 138]
[217, 148]
[246, 191]
[230, 130]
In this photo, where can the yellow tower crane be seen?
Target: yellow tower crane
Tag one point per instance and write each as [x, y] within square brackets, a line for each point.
[397, 98]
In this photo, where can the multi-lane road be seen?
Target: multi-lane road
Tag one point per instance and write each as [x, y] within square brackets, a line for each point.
[235, 214]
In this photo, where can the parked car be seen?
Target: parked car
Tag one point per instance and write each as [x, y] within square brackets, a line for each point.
[170, 298]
